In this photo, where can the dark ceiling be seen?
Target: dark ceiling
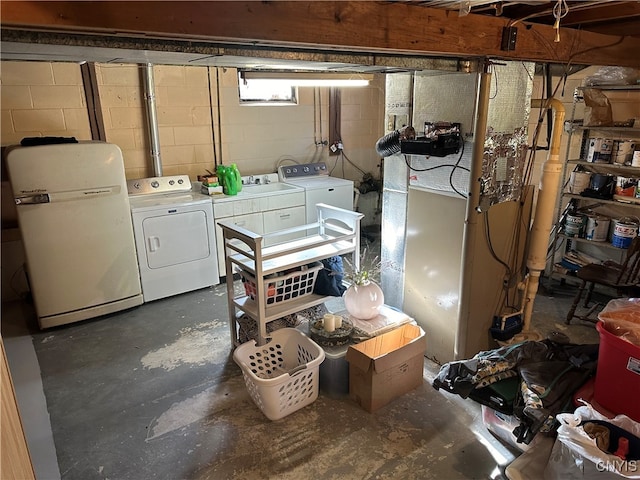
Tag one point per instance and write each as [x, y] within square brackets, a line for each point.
[601, 16]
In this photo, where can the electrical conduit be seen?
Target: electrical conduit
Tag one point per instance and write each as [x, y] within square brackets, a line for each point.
[543, 219]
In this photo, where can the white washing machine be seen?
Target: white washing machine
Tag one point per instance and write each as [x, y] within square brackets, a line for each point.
[174, 234]
[319, 187]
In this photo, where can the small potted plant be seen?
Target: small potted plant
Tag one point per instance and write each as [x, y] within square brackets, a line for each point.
[363, 297]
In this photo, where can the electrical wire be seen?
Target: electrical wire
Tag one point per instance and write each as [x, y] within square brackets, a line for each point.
[457, 165]
[576, 6]
[560, 10]
[453, 167]
[490, 244]
[495, 75]
[335, 164]
[349, 160]
[442, 165]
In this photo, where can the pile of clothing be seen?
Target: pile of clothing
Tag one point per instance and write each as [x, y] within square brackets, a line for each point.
[531, 380]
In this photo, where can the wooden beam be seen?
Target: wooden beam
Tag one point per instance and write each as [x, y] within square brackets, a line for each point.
[357, 26]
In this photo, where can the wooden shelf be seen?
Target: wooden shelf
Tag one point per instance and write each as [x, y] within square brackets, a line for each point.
[618, 203]
[609, 87]
[605, 244]
[278, 310]
[606, 167]
[295, 253]
[337, 232]
[633, 130]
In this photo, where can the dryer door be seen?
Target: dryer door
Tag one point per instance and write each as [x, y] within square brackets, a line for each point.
[176, 238]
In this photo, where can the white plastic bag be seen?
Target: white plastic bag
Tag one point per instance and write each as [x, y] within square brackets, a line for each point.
[613, 76]
[576, 455]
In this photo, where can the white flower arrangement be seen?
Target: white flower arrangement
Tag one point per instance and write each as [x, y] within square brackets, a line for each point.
[369, 271]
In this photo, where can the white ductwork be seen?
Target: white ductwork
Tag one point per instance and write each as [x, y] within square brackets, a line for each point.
[152, 118]
[547, 196]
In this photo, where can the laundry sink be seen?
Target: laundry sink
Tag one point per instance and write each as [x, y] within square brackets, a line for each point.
[267, 188]
[259, 190]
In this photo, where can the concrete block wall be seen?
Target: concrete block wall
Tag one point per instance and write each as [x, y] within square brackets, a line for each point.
[123, 112]
[362, 124]
[259, 137]
[42, 99]
[184, 118]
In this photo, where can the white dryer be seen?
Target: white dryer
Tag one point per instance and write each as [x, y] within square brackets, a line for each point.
[319, 187]
[174, 234]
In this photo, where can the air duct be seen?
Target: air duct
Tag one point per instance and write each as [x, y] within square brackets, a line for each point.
[152, 120]
[390, 143]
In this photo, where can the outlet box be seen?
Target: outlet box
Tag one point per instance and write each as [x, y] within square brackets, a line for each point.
[509, 35]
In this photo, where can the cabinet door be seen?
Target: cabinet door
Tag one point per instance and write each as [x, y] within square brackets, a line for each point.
[251, 221]
[276, 220]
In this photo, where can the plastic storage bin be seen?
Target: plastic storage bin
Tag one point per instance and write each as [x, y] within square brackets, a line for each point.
[334, 371]
[281, 376]
[617, 386]
[283, 287]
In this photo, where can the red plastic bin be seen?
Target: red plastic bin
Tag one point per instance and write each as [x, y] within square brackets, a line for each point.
[617, 386]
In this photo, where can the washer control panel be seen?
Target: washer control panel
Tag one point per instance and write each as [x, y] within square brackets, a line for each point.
[155, 185]
[304, 170]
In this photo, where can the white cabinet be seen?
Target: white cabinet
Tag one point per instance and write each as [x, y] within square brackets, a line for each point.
[590, 216]
[259, 214]
[283, 219]
[337, 232]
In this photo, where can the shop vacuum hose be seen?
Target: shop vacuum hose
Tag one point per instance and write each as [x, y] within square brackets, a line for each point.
[390, 143]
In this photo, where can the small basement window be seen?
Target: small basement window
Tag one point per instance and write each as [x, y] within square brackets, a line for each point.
[266, 92]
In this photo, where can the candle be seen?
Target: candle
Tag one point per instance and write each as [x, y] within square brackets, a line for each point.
[338, 321]
[329, 322]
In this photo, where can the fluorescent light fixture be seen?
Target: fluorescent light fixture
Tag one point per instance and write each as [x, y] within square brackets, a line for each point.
[316, 79]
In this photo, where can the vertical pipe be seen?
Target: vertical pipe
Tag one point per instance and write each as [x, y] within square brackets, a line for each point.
[152, 117]
[218, 103]
[473, 211]
[214, 135]
[543, 218]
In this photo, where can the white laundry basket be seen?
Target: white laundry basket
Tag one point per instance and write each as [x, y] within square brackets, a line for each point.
[282, 376]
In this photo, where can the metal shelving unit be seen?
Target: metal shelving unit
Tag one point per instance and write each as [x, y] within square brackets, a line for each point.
[618, 205]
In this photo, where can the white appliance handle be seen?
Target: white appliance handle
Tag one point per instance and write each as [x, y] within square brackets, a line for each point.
[67, 196]
[154, 243]
[33, 199]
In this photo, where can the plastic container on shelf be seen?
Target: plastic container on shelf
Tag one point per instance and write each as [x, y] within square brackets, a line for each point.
[283, 287]
[281, 376]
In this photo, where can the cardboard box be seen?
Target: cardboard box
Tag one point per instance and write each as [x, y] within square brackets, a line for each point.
[387, 366]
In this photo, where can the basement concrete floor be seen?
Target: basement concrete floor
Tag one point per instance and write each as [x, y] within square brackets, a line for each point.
[153, 392]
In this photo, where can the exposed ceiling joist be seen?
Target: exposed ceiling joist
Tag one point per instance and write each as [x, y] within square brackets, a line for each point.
[350, 27]
[610, 17]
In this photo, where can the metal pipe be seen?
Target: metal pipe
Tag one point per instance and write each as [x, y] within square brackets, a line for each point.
[218, 105]
[543, 219]
[473, 210]
[152, 117]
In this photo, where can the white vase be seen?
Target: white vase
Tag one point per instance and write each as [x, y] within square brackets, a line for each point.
[363, 301]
